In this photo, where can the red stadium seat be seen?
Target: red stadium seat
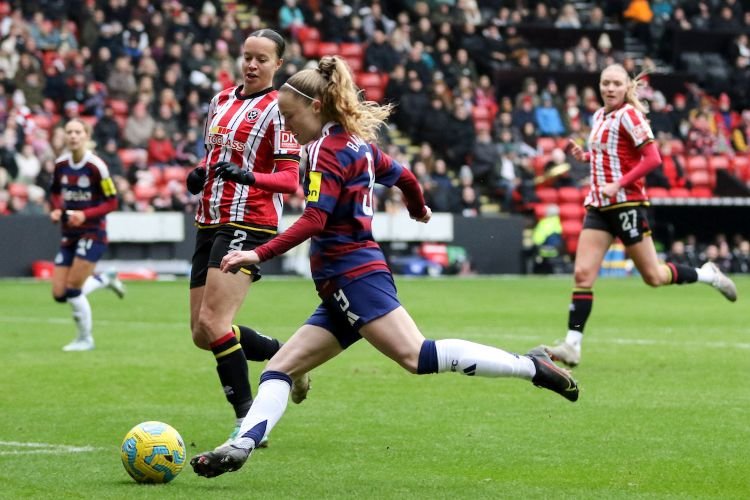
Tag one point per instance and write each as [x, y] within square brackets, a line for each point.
[571, 227]
[540, 210]
[157, 175]
[741, 167]
[678, 147]
[145, 192]
[127, 156]
[307, 33]
[368, 80]
[351, 50]
[678, 192]
[701, 178]
[657, 192]
[546, 144]
[310, 48]
[569, 194]
[571, 244]
[328, 49]
[539, 162]
[701, 192]
[693, 163]
[175, 173]
[719, 162]
[119, 106]
[355, 63]
[547, 194]
[374, 94]
[571, 211]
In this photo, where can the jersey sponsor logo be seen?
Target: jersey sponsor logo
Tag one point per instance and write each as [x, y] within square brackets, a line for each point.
[252, 115]
[287, 140]
[84, 182]
[313, 190]
[222, 140]
[77, 195]
[220, 130]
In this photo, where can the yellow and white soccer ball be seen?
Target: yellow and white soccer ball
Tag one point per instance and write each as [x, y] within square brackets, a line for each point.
[153, 452]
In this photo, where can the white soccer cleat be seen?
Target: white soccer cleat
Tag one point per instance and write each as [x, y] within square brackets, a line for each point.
[565, 353]
[722, 282]
[115, 284]
[80, 345]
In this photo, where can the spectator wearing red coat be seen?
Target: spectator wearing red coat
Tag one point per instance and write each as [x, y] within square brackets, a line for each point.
[160, 149]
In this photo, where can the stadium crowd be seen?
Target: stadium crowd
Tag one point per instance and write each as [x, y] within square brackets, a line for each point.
[142, 73]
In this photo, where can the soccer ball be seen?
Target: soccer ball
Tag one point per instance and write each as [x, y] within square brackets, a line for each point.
[153, 452]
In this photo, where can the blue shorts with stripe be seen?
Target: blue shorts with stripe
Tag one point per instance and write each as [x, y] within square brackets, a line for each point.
[89, 249]
[354, 305]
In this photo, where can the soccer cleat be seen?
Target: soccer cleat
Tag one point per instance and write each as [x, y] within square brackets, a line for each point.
[115, 284]
[565, 353]
[722, 282]
[300, 387]
[225, 458]
[80, 345]
[552, 377]
[236, 432]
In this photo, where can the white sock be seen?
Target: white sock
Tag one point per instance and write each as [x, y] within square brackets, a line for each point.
[706, 274]
[81, 315]
[268, 407]
[94, 282]
[470, 358]
[574, 339]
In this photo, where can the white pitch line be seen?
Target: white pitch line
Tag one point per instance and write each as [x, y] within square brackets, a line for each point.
[43, 448]
[530, 338]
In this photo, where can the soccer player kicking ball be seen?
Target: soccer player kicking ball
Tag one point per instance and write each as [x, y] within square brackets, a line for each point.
[359, 299]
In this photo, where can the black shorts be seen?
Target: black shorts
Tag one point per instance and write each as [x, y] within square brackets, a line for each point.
[213, 243]
[627, 222]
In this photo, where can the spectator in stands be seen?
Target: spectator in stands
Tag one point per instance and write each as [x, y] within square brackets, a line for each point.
[121, 80]
[107, 128]
[680, 115]
[741, 258]
[414, 106]
[291, 18]
[678, 256]
[160, 148]
[700, 139]
[568, 17]
[741, 134]
[380, 56]
[139, 127]
[660, 117]
[547, 117]
[28, 164]
[108, 152]
[397, 85]
[485, 157]
[375, 20]
[615, 206]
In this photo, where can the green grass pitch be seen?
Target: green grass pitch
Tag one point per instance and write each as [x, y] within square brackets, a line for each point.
[664, 410]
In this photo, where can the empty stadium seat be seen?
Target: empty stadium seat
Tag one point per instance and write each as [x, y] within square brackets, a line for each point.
[145, 192]
[307, 33]
[119, 106]
[571, 227]
[351, 50]
[547, 194]
[368, 80]
[741, 167]
[719, 162]
[701, 178]
[693, 163]
[678, 147]
[701, 192]
[679, 192]
[328, 49]
[546, 144]
[657, 192]
[175, 173]
[569, 194]
[310, 48]
[571, 211]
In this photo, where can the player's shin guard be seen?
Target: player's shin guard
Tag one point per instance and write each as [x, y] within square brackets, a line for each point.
[81, 311]
[581, 304]
[257, 347]
[471, 359]
[268, 408]
[681, 274]
[233, 373]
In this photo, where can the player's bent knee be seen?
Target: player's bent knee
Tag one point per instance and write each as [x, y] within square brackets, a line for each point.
[60, 298]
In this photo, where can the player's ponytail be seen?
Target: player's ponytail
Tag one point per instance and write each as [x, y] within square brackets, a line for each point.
[333, 85]
[634, 86]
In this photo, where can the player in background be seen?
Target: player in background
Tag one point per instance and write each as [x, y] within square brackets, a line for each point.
[250, 160]
[82, 194]
[621, 152]
[359, 299]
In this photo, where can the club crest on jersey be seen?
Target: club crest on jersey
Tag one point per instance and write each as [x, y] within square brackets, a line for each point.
[640, 133]
[252, 115]
[84, 182]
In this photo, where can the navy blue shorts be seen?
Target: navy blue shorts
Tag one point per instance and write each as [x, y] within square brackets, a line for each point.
[350, 308]
[84, 248]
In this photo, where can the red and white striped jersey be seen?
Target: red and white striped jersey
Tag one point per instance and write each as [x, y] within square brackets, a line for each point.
[247, 130]
[614, 145]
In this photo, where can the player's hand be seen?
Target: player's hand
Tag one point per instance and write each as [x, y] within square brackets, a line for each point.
[75, 217]
[237, 259]
[426, 217]
[610, 189]
[233, 172]
[55, 215]
[195, 180]
[576, 150]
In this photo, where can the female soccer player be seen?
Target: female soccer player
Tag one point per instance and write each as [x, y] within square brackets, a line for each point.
[358, 295]
[622, 152]
[82, 194]
[251, 159]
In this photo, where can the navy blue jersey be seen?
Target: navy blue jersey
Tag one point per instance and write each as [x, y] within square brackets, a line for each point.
[83, 186]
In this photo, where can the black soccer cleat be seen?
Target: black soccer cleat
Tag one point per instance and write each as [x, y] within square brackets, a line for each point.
[223, 459]
[552, 377]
